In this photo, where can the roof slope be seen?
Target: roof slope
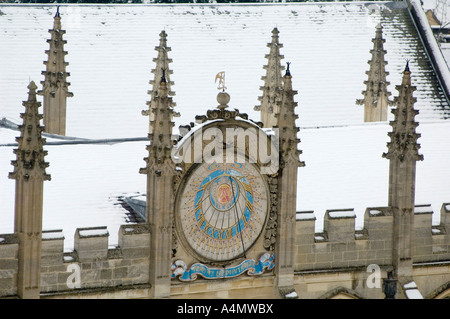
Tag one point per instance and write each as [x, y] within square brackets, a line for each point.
[111, 50]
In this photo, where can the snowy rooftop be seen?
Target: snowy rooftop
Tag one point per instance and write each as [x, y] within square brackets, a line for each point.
[110, 54]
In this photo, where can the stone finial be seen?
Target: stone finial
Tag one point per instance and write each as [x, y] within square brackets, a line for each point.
[272, 82]
[162, 62]
[160, 130]
[403, 144]
[376, 96]
[223, 98]
[32, 87]
[30, 163]
[286, 122]
[55, 88]
[57, 20]
[160, 170]
[403, 152]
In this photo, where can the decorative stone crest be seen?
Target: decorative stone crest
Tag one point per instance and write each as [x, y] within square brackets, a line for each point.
[265, 263]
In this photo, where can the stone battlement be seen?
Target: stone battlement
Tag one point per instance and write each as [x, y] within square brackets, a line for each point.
[340, 245]
[94, 264]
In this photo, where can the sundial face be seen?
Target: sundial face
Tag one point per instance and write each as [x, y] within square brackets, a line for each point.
[222, 209]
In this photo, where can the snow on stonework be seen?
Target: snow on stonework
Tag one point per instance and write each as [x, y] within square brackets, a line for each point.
[111, 49]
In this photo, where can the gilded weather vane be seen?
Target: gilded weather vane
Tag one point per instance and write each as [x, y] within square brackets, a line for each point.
[221, 77]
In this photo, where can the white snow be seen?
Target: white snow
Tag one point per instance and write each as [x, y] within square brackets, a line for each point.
[52, 234]
[68, 258]
[423, 209]
[413, 294]
[328, 44]
[344, 168]
[319, 238]
[305, 216]
[291, 295]
[93, 232]
[411, 291]
[436, 231]
[375, 212]
[410, 285]
[342, 214]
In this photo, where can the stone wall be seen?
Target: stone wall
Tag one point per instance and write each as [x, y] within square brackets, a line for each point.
[341, 246]
[91, 265]
[334, 260]
[9, 249]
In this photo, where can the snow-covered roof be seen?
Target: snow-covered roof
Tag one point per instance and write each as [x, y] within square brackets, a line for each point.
[110, 51]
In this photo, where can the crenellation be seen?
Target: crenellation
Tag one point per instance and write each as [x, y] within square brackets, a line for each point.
[339, 225]
[445, 216]
[441, 236]
[430, 241]
[305, 229]
[294, 259]
[378, 223]
[95, 264]
[339, 246]
[52, 247]
[9, 249]
[134, 240]
[91, 243]
[422, 230]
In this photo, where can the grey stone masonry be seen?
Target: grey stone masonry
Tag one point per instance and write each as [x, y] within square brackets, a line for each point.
[55, 88]
[9, 249]
[162, 62]
[91, 243]
[431, 242]
[273, 82]
[340, 245]
[99, 267]
[376, 96]
[29, 175]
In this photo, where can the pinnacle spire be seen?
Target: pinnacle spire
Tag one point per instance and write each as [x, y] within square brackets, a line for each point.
[272, 82]
[376, 95]
[55, 88]
[30, 163]
[407, 66]
[286, 122]
[57, 20]
[160, 131]
[403, 152]
[160, 71]
[403, 144]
